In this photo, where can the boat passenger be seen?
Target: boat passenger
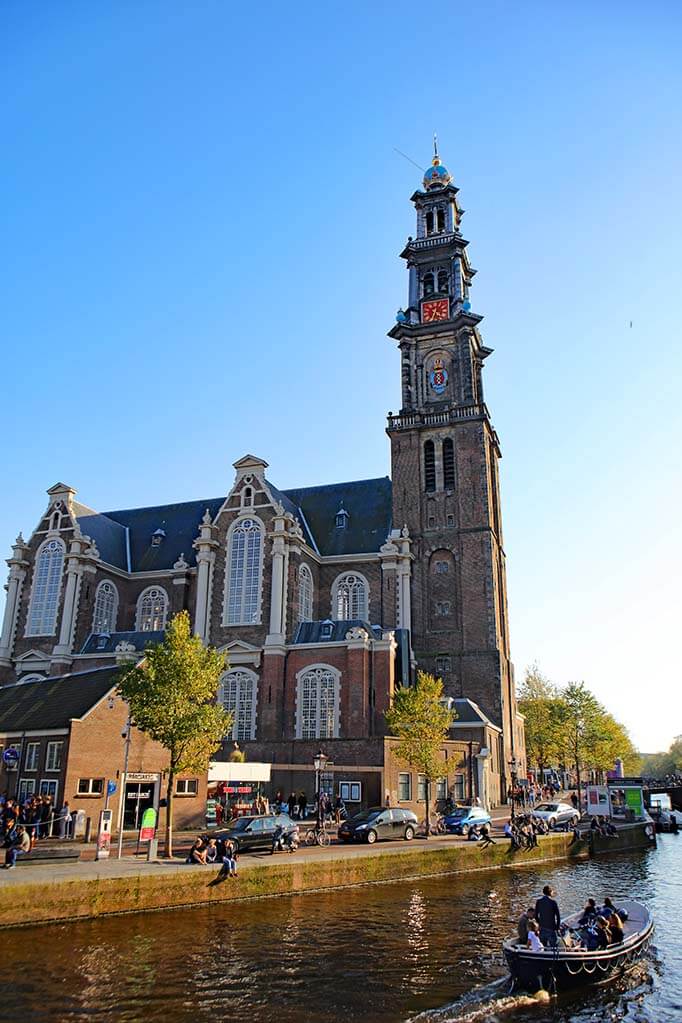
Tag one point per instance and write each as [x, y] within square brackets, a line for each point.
[608, 908]
[589, 914]
[522, 925]
[617, 934]
[534, 943]
[548, 916]
[603, 933]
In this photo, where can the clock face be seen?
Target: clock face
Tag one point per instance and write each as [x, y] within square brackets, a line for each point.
[439, 309]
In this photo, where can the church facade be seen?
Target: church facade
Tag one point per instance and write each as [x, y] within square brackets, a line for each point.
[324, 598]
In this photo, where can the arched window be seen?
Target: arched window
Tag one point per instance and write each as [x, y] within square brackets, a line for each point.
[441, 220]
[317, 703]
[243, 576]
[152, 610]
[429, 222]
[247, 497]
[429, 466]
[305, 594]
[106, 608]
[428, 284]
[448, 463]
[443, 282]
[47, 578]
[350, 598]
[237, 694]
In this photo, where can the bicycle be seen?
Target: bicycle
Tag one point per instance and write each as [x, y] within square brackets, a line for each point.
[318, 835]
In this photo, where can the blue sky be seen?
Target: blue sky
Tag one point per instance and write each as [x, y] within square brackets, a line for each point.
[202, 210]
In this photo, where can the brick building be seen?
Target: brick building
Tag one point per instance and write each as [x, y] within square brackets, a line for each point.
[69, 733]
[325, 598]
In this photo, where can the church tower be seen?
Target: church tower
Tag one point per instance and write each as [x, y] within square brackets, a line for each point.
[444, 455]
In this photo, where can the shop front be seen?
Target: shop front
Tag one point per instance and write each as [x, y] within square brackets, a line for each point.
[233, 788]
[141, 792]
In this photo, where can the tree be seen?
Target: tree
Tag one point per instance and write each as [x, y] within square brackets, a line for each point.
[172, 697]
[540, 704]
[420, 720]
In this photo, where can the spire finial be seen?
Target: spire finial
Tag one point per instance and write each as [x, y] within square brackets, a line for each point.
[436, 157]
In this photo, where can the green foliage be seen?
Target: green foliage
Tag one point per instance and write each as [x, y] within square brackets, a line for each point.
[420, 721]
[172, 698]
[657, 765]
[570, 726]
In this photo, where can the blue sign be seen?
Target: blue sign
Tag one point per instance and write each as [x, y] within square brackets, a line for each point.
[111, 788]
[11, 757]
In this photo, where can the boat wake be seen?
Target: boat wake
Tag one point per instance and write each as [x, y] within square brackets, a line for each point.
[483, 1005]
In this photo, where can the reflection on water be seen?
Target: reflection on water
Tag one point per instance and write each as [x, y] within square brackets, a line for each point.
[377, 954]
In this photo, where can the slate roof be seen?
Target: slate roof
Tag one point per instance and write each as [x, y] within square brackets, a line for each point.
[313, 632]
[53, 702]
[107, 642]
[368, 503]
[469, 713]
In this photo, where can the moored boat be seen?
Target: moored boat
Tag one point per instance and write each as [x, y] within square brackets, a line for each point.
[563, 968]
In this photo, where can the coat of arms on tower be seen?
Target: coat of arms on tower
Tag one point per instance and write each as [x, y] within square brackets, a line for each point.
[438, 377]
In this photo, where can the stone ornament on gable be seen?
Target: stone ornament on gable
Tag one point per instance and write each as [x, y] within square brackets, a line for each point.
[388, 548]
[207, 520]
[357, 632]
[92, 551]
[181, 565]
[279, 508]
[125, 647]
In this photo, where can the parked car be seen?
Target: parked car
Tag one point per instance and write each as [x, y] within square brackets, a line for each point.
[556, 813]
[379, 822]
[464, 817]
[253, 832]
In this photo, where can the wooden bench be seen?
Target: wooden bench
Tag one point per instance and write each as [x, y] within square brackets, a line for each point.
[39, 855]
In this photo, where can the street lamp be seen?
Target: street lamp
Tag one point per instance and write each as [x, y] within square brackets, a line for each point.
[125, 734]
[319, 762]
[512, 764]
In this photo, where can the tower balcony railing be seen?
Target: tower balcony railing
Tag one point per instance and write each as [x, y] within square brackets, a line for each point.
[441, 418]
[432, 240]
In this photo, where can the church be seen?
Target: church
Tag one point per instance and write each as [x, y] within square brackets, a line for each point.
[325, 599]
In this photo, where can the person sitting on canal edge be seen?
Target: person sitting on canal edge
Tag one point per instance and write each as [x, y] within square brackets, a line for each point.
[19, 847]
[229, 867]
[197, 853]
[548, 916]
[486, 837]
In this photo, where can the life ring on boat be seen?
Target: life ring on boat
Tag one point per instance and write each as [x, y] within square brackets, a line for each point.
[650, 831]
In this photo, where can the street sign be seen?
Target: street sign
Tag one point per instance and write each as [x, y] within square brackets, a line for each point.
[148, 827]
[10, 758]
[111, 788]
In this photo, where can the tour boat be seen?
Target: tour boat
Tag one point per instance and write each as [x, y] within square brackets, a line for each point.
[560, 969]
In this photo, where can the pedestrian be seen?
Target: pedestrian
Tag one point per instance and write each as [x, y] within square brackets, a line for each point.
[548, 917]
[486, 838]
[291, 803]
[339, 809]
[64, 821]
[302, 804]
[21, 844]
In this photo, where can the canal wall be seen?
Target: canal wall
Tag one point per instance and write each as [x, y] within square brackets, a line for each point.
[159, 886]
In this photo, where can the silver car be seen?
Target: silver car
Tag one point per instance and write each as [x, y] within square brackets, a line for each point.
[556, 813]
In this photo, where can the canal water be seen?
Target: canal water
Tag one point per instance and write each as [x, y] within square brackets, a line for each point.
[381, 954]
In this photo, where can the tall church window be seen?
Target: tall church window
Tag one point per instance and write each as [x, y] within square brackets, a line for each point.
[305, 594]
[443, 282]
[429, 222]
[317, 703]
[350, 598]
[440, 217]
[152, 610]
[244, 565]
[47, 578]
[237, 694]
[428, 284]
[448, 463]
[106, 608]
[429, 466]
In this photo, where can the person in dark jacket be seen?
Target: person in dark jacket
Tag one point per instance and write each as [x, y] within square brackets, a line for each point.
[589, 914]
[548, 916]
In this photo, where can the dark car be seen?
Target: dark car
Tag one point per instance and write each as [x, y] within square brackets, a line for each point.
[379, 822]
[253, 832]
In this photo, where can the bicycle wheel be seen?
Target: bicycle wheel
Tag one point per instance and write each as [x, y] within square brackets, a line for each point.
[323, 837]
[311, 836]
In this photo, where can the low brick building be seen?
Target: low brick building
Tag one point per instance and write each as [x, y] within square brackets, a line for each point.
[69, 732]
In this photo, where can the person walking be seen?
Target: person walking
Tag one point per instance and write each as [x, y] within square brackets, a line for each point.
[548, 917]
[302, 805]
[291, 803]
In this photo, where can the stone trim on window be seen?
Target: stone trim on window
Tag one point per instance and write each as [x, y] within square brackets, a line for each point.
[318, 691]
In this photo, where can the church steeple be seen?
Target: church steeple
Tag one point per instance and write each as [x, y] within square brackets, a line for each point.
[442, 351]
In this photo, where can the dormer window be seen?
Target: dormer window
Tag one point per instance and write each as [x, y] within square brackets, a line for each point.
[342, 517]
[326, 630]
[158, 536]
